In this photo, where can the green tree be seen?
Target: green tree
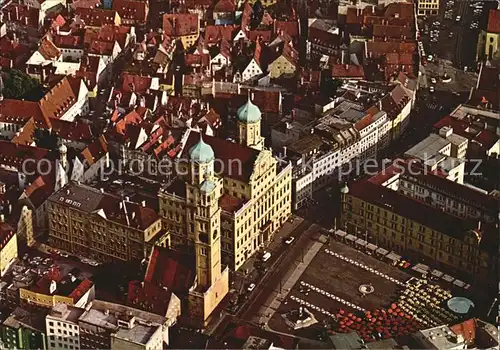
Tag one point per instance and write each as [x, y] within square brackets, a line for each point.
[18, 84]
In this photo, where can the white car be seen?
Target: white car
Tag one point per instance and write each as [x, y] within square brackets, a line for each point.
[431, 89]
[251, 287]
[429, 58]
[64, 255]
[290, 240]
[433, 80]
[458, 18]
[266, 256]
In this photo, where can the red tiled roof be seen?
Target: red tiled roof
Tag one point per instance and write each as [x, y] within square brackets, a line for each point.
[467, 329]
[263, 35]
[133, 11]
[95, 151]
[85, 4]
[393, 31]
[494, 21]
[101, 48]
[227, 152]
[54, 104]
[246, 16]
[170, 269]
[180, 24]
[288, 27]
[230, 204]
[136, 83]
[96, 17]
[348, 71]
[81, 289]
[23, 15]
[484, 139]
[215, 33]
[40, 190]
[48, 49]
[192, 60]
[74, 131]
[148, 297]
[68, 41]
[224, 6]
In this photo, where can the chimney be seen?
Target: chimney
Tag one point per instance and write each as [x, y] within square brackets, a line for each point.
[380, 104]
[284, 151]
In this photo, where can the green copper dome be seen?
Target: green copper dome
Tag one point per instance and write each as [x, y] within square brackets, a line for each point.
[249, 113]
[201, 152]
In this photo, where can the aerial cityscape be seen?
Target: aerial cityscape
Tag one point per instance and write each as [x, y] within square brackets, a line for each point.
[249, 174]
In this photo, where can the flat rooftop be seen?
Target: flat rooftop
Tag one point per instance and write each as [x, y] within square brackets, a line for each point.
[140, 333]
[428, 147]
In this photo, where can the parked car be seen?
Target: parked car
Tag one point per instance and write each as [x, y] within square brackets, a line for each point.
[431, 89]
[458, 18]
[266, 256]
[433, 80]
[290, 240]
[251, 287]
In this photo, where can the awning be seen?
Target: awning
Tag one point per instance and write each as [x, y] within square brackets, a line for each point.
[437, 273]
[459, 283]
[448, 278]
[421, 268]
[340, 233]
[361, 242]
[350, 237]
[382, 251]
[371, 246]
[393, 256]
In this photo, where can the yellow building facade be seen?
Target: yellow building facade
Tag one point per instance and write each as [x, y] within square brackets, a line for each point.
[418, 231]
[43, 300]
[488, 45]
[88, 222]
[428, 8]
[8, 247]
[225, 203]
[281, 66]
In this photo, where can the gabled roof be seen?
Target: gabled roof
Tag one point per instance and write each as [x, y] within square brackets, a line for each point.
[215, 33]
[148, 297]
[348, 71]
[23, 15]
[96, 17]
[95, 151]
[180, 24]
[135, 83]
[48, 49]
[135, 11]
[170, 269]
[61, 97]
[288, 27]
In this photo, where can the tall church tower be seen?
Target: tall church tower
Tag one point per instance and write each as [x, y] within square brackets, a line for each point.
[204, 191]
[249, 117]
